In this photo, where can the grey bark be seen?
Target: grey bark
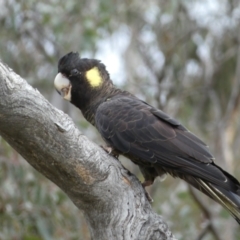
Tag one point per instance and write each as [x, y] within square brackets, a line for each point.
[112, 199]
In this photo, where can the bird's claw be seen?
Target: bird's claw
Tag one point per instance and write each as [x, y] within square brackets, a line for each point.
[149, 198]
[146, 184]
[110, 151]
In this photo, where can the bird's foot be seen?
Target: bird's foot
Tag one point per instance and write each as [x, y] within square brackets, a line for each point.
[110, 151]
[146, 184]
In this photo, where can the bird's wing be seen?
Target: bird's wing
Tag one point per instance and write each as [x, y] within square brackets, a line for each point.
[137, 129]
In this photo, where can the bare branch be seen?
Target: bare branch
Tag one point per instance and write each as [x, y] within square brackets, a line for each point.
[235, 92]
[204, 208]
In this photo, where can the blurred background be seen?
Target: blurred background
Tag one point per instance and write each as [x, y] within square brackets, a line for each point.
[180, 56]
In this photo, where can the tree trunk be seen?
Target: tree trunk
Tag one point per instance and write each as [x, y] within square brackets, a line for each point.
[112, 199]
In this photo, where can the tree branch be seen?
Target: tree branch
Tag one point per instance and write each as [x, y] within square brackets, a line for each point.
[209, 226]
[111, 198]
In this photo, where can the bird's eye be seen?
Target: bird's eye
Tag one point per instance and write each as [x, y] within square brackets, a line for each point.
[74, 72]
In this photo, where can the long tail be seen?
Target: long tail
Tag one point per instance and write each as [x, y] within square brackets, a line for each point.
[229, 199]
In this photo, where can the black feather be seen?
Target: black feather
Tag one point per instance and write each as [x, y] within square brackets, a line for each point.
[149, 137]
[152, 139]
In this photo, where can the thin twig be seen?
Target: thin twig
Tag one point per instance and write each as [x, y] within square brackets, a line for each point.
[204, 208]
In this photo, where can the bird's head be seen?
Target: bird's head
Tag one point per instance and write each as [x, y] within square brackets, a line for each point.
[79, 80]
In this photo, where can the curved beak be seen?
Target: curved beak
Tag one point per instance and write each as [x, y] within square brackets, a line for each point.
[63, 86]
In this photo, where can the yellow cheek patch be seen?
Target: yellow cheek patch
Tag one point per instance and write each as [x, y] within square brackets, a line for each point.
[93, 77]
